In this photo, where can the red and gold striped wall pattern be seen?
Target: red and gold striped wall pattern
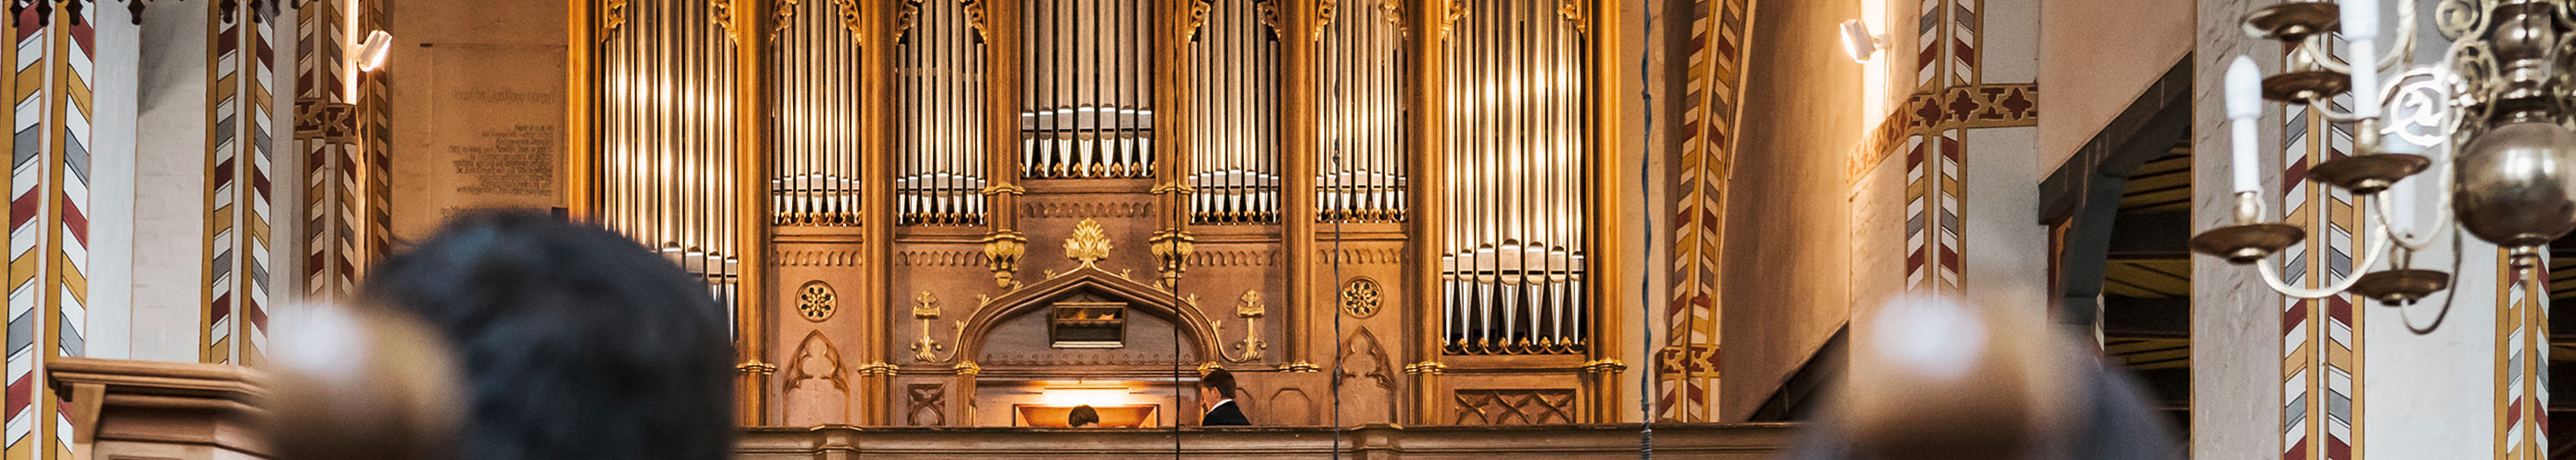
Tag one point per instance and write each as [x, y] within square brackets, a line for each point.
[238, 160]
[1686, 365]
[2320, 339]
[51, 89]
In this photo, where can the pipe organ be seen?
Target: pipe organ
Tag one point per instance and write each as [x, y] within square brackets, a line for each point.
[815, 151]
[1234, 89]
[665, 136]
[943, 180]
[1513, 279]
[940, 135]
[1361, 124]
[1089, 108]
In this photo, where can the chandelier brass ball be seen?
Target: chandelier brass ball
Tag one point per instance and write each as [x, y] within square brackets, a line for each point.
[2513, 187]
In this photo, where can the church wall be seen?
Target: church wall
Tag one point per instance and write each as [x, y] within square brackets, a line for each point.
[2101, 54]
[1788, 268]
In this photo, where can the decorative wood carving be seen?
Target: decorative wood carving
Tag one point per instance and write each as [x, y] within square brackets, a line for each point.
[1250, 309]
[959, 258]
[1367, 380]
[1002, 250]
[1573, 10]
[1290, 406]
[1364, 360]
[1198, 18]
[1361, 298]
[927, 405]
[1173, 248]
[1094, 209]
[1234, 258]
[1515, 407]
[818, 387]
[925, 307]
[816, 301]
[1389, 256]
[850, 258]
[1089, 244]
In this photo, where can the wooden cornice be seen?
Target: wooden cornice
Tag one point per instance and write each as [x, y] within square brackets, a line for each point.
[201, 405]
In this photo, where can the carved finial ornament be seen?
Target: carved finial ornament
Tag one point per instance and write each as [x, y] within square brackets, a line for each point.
[1198, 18]
[1324, 17]
[903, 22]
[1574, 11]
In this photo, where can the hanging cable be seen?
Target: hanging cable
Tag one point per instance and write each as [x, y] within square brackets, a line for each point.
[1335, 380]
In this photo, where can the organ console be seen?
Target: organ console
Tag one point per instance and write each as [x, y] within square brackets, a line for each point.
[1218, 149]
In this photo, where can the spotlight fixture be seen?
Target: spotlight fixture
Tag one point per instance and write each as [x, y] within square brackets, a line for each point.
[371, 55]
[1858, 42]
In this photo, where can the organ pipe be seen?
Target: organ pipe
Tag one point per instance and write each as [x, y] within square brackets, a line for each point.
[1362, 178]
[815, 157]
[1234, 67]
[1513, 277]
[667, 138]
[1089, 109]
[939, 132]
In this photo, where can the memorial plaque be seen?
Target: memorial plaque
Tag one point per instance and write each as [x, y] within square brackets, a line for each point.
[487, 133]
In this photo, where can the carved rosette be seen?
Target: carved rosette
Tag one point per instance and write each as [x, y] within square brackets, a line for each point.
[1173, 248]
[1002, 250]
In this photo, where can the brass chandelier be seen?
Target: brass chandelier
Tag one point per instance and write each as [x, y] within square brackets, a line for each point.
[2503, 97]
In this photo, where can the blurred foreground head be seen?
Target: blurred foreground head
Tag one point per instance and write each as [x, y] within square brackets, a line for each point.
[1935, 379]
[570, 342]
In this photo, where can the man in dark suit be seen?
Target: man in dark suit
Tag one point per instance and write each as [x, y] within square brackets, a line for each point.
[1217, 391]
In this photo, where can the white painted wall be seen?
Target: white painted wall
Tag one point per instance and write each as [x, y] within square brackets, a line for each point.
[2006, 252]
[168, 205]
[111, 206]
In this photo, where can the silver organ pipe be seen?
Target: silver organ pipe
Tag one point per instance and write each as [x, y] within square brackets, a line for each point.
[1090, 101]
[667, 137]
[1513, 280]
[816, 92]
[939, 134]
[1359, 67]
[1234, 68]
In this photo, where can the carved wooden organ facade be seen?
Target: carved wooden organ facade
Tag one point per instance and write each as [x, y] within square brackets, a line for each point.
[972, 213]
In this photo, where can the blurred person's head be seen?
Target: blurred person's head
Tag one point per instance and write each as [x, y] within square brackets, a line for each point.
[1082, 416]
[575, 343]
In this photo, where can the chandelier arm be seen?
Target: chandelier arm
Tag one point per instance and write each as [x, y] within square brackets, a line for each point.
[2450, 297]
[2272, 275]
[2406, 237]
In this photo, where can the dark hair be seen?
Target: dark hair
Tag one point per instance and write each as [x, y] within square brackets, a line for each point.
[1221, 381]
[576, 343]
[1082, 415]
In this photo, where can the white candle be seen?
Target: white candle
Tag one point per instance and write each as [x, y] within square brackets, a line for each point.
[2244, 108]
[2361, 29]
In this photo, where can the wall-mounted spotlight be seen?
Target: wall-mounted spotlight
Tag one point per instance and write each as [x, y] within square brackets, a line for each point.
[1858, 42]
[371, 55]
